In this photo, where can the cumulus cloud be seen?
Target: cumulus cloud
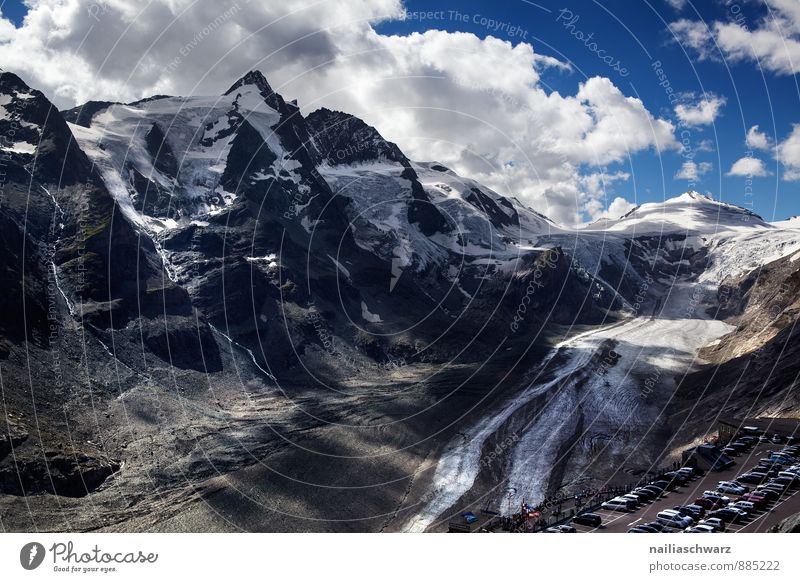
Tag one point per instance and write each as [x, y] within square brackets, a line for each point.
[703, 112]
[773, 41]
[789, 155]
[749, 167]
[692, 171]
[437, 94]
[677, 4]
[757, 139]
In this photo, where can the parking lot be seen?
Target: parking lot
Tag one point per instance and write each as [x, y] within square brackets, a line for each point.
[762, 520]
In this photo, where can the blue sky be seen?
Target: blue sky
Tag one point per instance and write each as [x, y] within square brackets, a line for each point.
[633, 35]
[637, 34]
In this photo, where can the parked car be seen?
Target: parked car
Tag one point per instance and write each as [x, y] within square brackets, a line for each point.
[774, 485]
[691, 471]
[590, 519]
[758, 500]
[752, 478]
[647, 494]
[693, 511]
[657, 491]
[665, 485]
[748, 507]
[617, 504]
[790, 482]
[641, 529]
[632, 498]
[700, 528]
[732, 487]
[660, 527]
[781, 458]
[768, 494]
[672, 518]
[729, 515]
[708, 503]
[714, 522]
[676, 476]
[716, 495]
[776, 438]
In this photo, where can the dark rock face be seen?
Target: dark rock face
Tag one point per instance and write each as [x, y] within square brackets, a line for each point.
[67, 474]
[421, 211]
[83, 114]
[344, 139]
[163, 157]
[249, 155]
[87, 249]
[496, 215]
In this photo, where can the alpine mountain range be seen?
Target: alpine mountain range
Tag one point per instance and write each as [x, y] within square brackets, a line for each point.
[220, 314]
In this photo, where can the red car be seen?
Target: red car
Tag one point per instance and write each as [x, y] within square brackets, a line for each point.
[707, 503]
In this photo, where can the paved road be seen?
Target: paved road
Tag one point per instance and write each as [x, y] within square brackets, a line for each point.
[787, 505]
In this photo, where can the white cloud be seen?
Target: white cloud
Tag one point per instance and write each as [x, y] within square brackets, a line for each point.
[694, 36]
[705, 145]
[749, 167]
[773, 41]
[693, 171]
[704, 112]
[757, 139]
[677, 4]
[598, 188]
[474, 104]
[789, 155]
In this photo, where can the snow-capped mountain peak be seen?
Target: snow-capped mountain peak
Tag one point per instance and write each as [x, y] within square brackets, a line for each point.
[690, 213]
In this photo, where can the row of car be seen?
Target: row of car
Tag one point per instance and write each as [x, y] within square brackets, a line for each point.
[743, 442]
[651, 491]
[773, 476]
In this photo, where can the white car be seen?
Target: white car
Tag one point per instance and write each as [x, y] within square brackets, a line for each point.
[746, 506]
[731, 487]
[673, 518]
[617, 504]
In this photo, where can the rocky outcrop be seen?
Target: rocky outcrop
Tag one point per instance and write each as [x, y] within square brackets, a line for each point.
[59, 473]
